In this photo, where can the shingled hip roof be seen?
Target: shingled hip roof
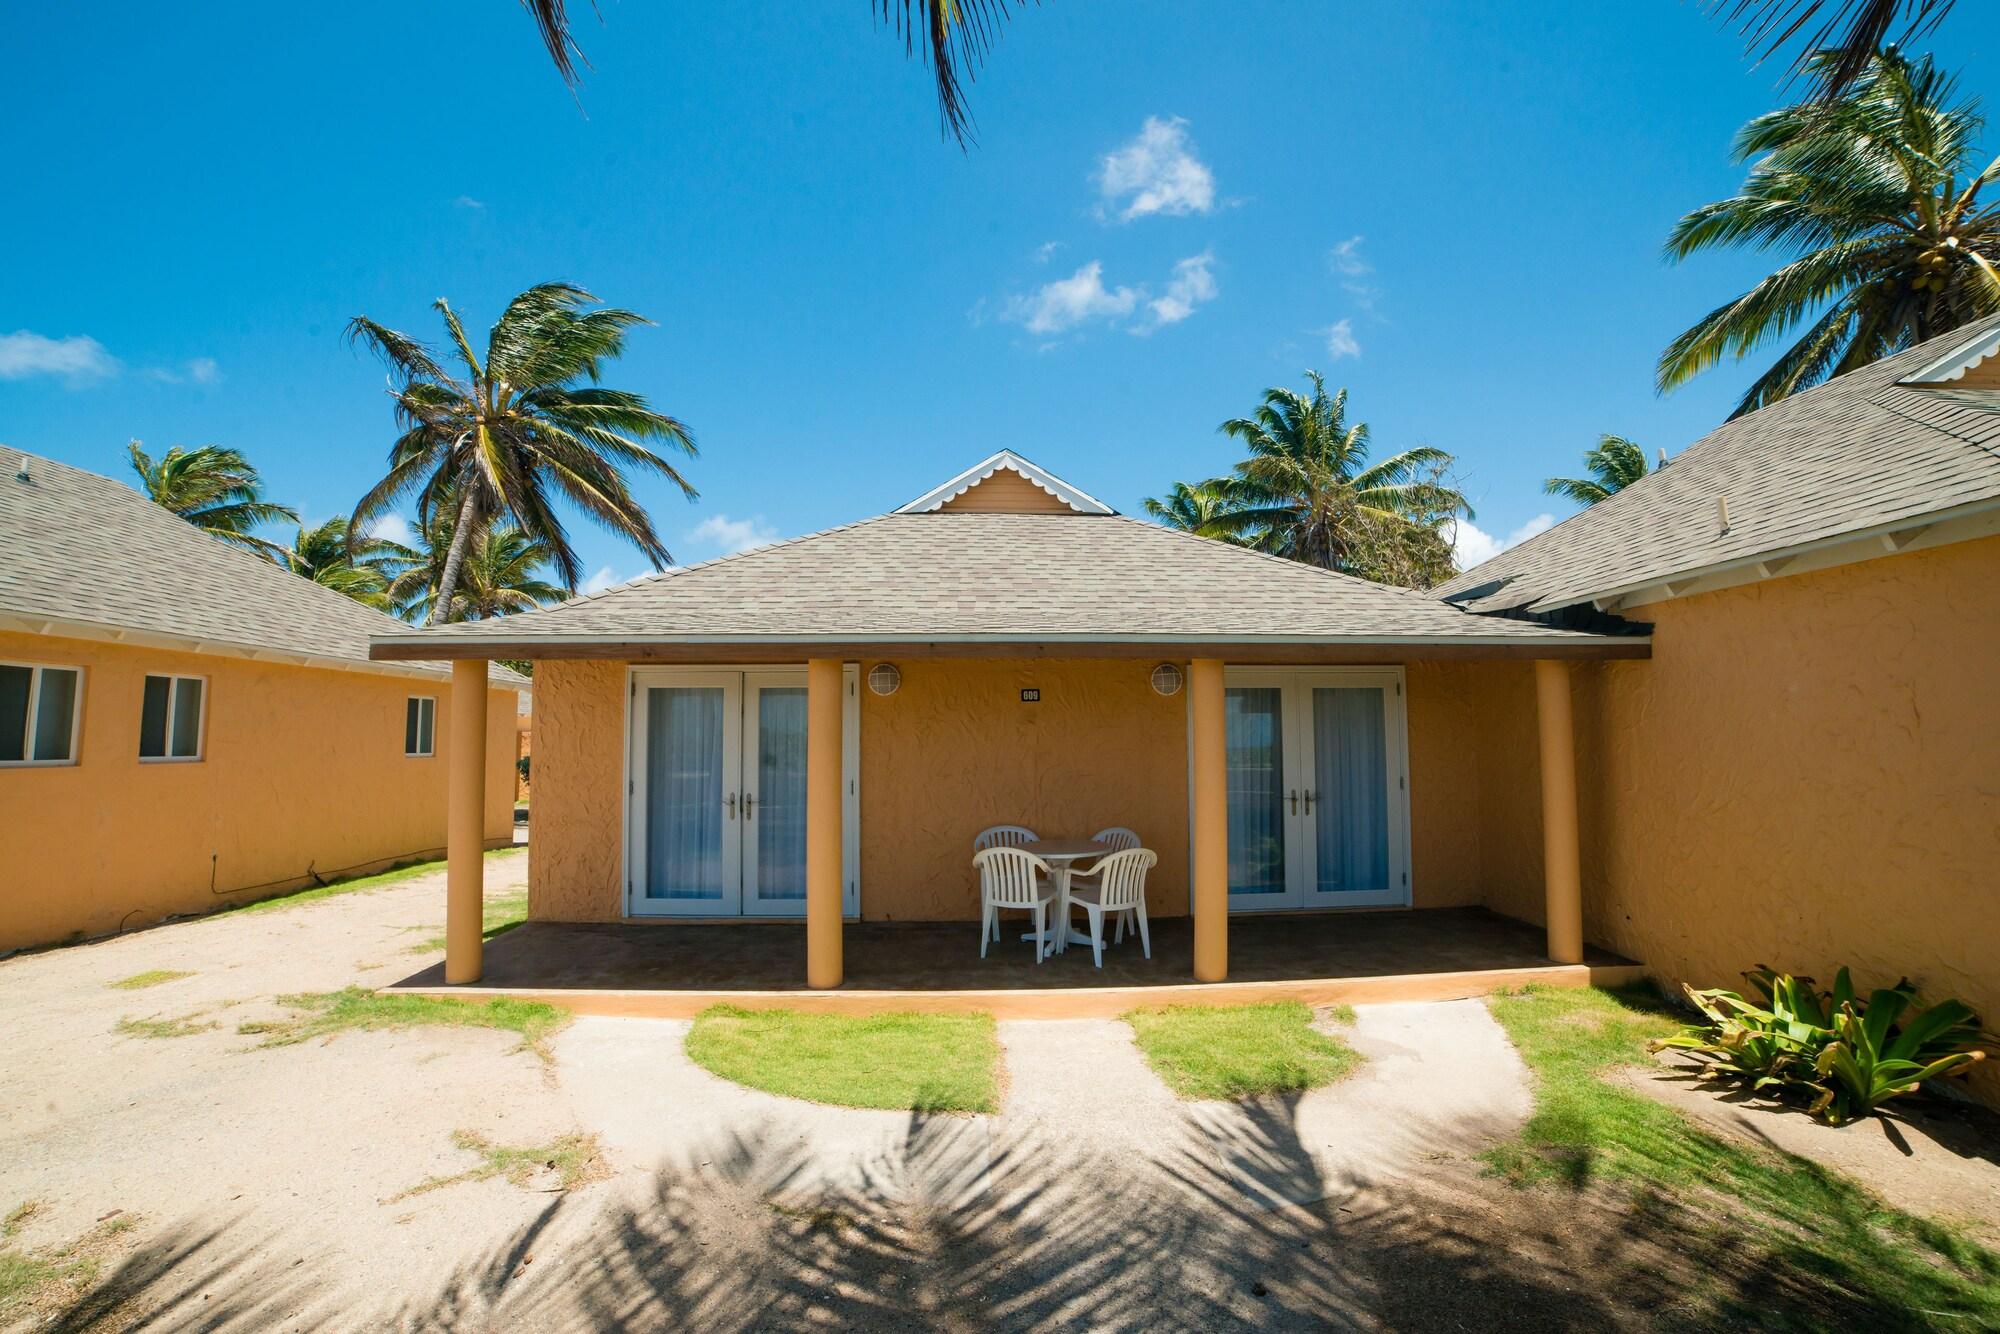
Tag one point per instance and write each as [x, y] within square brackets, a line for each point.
[995, 578]
[84, 556]
[1874, 450]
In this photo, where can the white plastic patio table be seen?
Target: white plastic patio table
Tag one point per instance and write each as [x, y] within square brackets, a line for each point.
[1062, 854]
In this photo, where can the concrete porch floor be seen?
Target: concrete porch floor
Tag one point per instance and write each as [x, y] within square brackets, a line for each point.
[678, 969]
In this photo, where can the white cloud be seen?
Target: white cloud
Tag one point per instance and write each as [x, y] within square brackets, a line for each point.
[730, 536]
[467, 201]
[1156, 172]
[608, 578]
[1045, 250]
[1471, 544]
[393, 528]
[1340, 340]
[1192, 284]
[1067, 302]
[77, 359]
[1346, 261]
[199, 370]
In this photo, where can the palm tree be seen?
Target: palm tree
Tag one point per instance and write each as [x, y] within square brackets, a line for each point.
[1191, 507]
[1851, 35]
[499, 573]
[1308, 492]
[331, 556]
[216, 490]
[955, 34]
[512, 431]
[1876, 198]
[1614, 464]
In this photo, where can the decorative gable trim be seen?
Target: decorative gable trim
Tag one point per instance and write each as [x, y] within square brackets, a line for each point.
[1077, 499]
[1954, 364]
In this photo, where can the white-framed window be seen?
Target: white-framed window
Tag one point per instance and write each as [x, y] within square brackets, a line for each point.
[170, 718]
[420, 727]
[40, 706]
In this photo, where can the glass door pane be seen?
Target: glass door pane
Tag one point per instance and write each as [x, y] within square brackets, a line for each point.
[1254, 740]
[691, 765]
[774, 804]
[1349, 794]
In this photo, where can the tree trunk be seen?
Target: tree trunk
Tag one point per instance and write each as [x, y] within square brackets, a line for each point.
[461, 532]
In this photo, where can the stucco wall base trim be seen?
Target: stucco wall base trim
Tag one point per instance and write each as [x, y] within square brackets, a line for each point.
[1068, 1003]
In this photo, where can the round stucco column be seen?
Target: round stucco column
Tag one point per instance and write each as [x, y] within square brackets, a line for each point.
[465, 825]
[1209, 774]
[1562, 878]
[824, 964]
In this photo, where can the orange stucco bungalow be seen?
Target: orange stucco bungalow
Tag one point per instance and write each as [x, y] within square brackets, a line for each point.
[1741, 712]
[185, 726]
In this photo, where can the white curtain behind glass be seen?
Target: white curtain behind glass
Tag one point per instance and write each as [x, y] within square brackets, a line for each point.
[781, 793]
[1255, 746]
[1351, 810]
[684, 792]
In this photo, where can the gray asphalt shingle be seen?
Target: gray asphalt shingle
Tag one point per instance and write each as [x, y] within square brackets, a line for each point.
[956, 575]
[1858, 452]
[78, 547]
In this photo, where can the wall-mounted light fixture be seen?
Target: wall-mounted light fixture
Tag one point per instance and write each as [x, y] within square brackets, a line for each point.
[1167, 679]
[885, 678]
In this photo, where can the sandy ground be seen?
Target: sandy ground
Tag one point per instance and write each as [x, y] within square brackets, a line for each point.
[265, 1180]
[1922, 1156]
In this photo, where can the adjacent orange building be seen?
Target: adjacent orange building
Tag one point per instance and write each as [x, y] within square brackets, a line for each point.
[185, 726]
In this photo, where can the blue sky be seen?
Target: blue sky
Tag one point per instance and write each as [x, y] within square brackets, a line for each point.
[1455, 211]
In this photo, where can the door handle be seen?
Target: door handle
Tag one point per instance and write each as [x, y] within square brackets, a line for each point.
[1309, 801]
[1295, 801]
[729, 806]
[749, 800]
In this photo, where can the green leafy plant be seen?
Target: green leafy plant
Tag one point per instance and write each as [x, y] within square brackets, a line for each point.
[1845, 1055]
[1880, 1053]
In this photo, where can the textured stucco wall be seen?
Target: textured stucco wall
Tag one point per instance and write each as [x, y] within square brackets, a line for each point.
[955, 750]
[1806, 774]
[1466, 779]
[578, 816]
[300, 766]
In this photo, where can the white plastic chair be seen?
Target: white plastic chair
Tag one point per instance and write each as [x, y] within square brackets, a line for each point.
[1121, 888]
[1005, 836]
[1117, 838]
[1014, 878]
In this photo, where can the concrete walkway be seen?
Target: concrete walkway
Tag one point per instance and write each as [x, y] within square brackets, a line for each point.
[269, 1186]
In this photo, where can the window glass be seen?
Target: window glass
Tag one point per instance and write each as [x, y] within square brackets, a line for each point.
[153, 718]
[14, 682]
[55, 714]
[419, 723]
[187, 717]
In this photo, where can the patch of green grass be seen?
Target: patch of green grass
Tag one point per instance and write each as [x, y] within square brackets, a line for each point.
[323, 1013]
[394, 875]
[43, 1283]
[500, 914]
[1217, 1052]
[915, 1062]
[1824, 1242]
[154, 1026]
[572, 1159]
[152, 977]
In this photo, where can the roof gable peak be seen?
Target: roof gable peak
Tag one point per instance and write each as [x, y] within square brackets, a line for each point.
[951, 494]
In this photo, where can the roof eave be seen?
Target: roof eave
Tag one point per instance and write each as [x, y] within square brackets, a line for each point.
[1909, 533]
[728, 647]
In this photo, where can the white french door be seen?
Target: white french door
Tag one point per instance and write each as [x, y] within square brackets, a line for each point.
[1318, 790]
[716, 821]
